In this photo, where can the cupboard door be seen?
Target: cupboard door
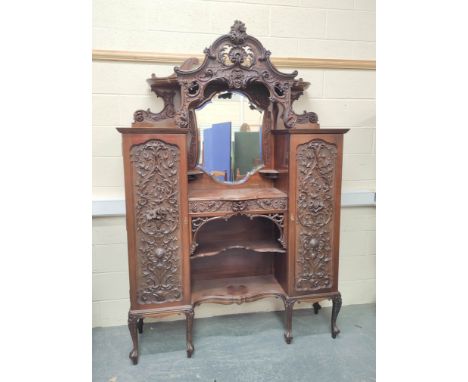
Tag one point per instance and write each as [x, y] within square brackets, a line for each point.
[317, 172]
[158, 198]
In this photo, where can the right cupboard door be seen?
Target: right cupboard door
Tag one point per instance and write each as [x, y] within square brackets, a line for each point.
[315, 190]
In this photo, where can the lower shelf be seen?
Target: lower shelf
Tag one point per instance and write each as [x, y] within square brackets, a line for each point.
[236, 289]
[261, 246]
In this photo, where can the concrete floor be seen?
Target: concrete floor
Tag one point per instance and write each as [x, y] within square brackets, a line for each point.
[244, 347]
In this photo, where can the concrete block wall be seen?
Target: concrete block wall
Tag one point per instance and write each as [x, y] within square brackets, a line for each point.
[295, 28]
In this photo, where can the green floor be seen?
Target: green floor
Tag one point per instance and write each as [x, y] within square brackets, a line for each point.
[245, 347]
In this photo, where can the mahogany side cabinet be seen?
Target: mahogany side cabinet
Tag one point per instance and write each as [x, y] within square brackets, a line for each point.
[193, 238]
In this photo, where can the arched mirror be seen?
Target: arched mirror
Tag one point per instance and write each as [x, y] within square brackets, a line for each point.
[230, 136]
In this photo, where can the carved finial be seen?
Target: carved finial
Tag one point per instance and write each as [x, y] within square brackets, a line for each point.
[237, 34]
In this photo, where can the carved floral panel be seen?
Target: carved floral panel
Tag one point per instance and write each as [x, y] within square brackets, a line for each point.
[155, 164]
[316, 162]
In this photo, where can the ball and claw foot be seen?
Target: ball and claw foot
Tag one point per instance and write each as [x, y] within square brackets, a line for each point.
[317, 307]
[288, 338]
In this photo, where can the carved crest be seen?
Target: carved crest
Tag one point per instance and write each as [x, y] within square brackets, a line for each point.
[237, 61]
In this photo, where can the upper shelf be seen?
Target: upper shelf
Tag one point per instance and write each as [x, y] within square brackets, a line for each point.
[309, 131]
[236, 194]
[260, 246]
[171, 81]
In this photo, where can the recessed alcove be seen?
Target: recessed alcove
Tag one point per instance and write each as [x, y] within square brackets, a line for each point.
[258, 233]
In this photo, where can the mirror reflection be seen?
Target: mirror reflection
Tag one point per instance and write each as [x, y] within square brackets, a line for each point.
[230, 136]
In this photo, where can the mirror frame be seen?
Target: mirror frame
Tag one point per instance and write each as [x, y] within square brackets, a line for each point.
[234, 62]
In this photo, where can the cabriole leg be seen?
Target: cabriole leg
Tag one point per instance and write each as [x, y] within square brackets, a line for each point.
[132, 327]
[288, 307]
[335, 310]
[189, 325]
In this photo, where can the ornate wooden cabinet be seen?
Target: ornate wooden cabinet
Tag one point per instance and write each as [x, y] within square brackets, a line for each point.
[194, 239]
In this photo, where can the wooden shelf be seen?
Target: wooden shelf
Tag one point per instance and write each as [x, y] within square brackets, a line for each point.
[192, 174]
[269, 173]
[236, 194]
[235, 289]
[216, 248]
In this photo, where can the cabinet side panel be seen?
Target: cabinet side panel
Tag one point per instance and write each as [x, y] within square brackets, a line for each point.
[281, 263]
[130, 218]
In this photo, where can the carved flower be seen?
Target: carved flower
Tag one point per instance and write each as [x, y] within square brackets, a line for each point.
[157, 214]
[160, 252]
[315, 205]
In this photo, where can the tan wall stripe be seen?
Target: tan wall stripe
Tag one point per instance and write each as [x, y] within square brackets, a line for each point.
[178, 58]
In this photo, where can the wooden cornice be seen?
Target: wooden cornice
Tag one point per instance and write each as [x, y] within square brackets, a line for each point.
[178, 58]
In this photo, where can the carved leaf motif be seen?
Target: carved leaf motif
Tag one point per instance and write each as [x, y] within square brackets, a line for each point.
[156, 164]
[315, 182]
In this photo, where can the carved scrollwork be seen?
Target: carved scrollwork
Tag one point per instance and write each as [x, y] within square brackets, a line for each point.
[167, 112]
[199, 221]
[307, 117]
[272, 204]
[182, 119]
[315, 185]
[236, 61]
[278, 219]
[206, 206]
[155, 165]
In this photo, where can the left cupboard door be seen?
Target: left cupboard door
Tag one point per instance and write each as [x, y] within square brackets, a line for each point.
[155, 168]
